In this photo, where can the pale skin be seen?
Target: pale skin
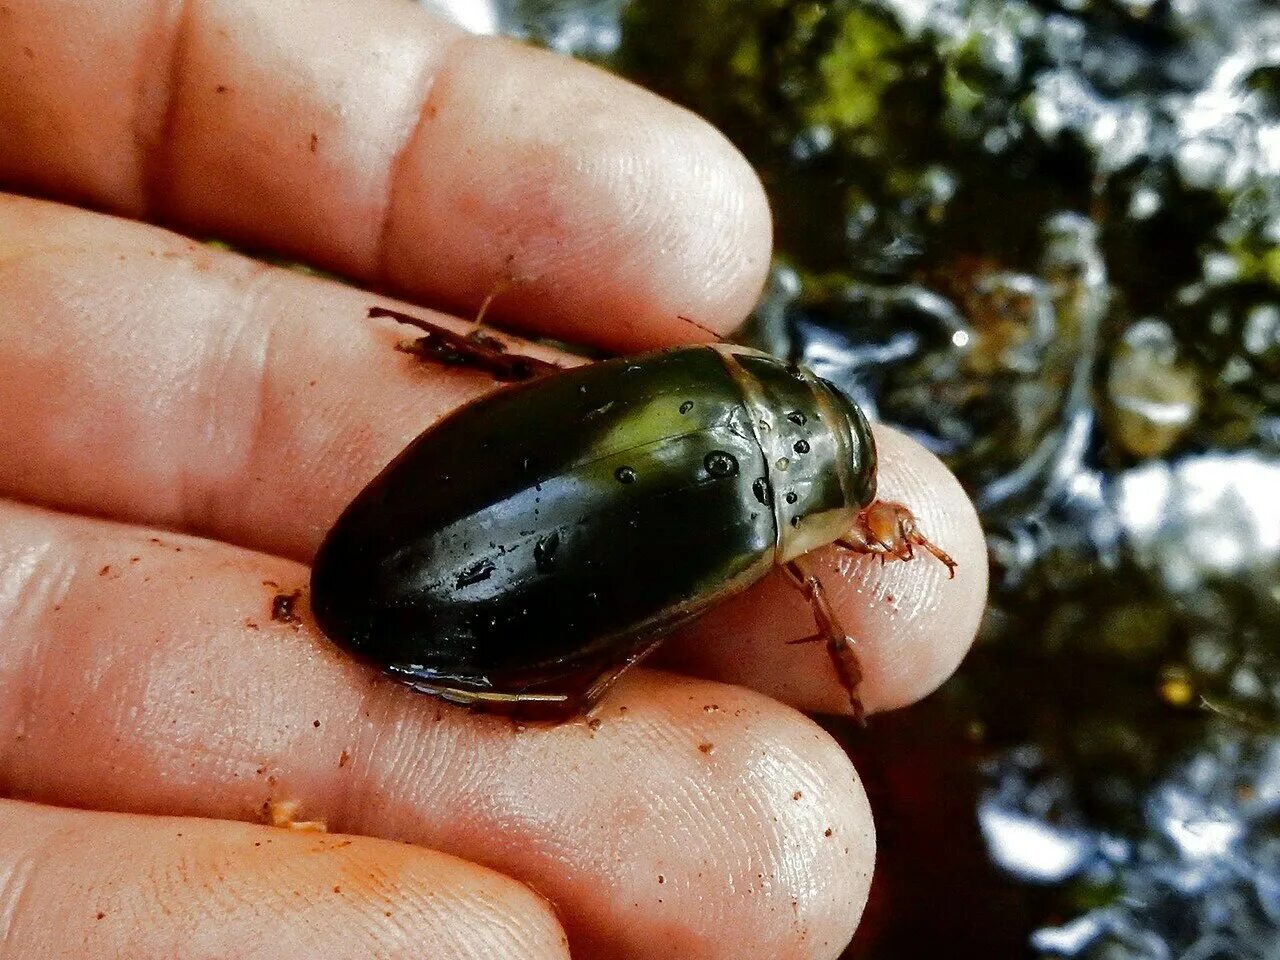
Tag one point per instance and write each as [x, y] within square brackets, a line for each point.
[181, 425]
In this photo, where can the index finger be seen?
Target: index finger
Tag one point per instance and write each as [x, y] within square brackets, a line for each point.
[375, 140]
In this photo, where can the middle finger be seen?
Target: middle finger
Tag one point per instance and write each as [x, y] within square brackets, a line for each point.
[167, 383]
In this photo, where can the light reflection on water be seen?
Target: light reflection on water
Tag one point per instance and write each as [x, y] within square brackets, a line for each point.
[1200, 884]
[1209, 516]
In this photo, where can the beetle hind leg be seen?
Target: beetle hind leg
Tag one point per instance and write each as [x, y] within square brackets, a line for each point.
[555, 697]
[890, 531]
[476, 349]
[538, 704]
[840, 646]
[485, 698]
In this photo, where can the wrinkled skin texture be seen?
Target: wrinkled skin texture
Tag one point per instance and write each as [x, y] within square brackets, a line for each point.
[183, 424]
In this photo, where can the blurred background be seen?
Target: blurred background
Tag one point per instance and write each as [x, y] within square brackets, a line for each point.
[1042, 236]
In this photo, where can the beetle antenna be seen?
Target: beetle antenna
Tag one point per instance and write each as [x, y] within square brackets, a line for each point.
[694, 323]
[500, 288]
[504, 283]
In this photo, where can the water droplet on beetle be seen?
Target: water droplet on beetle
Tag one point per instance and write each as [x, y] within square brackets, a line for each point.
[791, 497]
[798, 418]
[686, 406]
[544, 552]
[720, 464]
[625, 475]
[760, 487]
[782, 463]
[801, 446]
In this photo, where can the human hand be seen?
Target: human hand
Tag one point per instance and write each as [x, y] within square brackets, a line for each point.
[213, 415]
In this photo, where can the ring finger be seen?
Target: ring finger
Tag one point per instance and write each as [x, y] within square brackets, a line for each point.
[158, 673]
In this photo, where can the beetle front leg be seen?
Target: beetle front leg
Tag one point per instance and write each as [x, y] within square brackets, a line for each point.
[840, 646]
[886, 529]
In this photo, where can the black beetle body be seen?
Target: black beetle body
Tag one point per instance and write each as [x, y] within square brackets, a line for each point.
[535, 543]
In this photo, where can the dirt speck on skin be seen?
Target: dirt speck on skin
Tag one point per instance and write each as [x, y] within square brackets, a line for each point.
[315, 142]
[284, 814]
[827, 832]
[282, 607]
[707, 748]
[797, 795]
[593, 724]
[105, 570]
[343, 759]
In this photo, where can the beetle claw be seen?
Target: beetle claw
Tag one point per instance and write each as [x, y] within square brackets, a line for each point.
[889, 531]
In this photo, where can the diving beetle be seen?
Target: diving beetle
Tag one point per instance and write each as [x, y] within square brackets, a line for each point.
[527, 549]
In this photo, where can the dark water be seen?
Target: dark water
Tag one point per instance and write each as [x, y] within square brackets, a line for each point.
[1043, 236]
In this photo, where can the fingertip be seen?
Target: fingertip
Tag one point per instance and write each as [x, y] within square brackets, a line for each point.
[678, 811]
[92, 885]
[916, 621]
[625, 221]
[751, 811]
[911, 622]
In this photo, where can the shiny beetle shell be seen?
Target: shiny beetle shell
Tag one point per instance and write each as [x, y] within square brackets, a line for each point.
[535, 543]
